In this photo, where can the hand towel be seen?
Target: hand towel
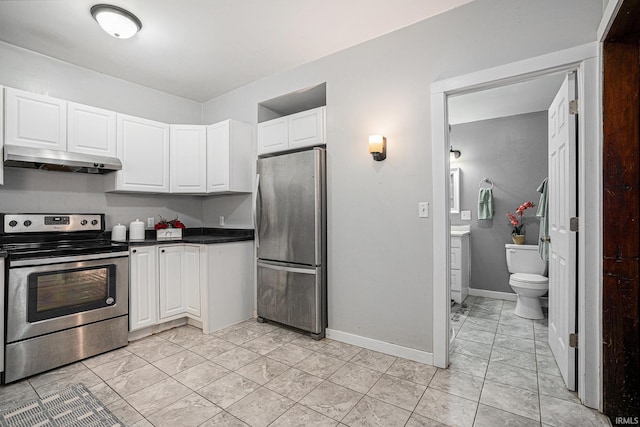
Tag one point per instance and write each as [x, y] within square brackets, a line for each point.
[542, 212]
[485, 203]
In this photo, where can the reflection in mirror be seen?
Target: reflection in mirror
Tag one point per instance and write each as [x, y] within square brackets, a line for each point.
[454, 190]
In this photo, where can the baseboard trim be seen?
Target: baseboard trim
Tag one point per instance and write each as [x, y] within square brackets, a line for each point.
[381, 346]
[506, 296]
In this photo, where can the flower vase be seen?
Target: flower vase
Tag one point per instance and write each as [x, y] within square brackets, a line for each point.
[518, 239]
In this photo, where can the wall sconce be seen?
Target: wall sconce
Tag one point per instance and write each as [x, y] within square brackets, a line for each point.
[378, 147]
[454, 154]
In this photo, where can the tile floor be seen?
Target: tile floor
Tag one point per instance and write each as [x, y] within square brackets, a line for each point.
[502, 373]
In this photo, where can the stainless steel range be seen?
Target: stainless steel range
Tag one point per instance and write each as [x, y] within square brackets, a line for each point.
[67, 291]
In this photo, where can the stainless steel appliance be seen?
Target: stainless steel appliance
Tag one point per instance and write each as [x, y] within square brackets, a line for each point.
[67, 291]
[61, 161]
[290, 210]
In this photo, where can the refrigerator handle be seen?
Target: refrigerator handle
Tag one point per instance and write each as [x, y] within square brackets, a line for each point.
[255, 211]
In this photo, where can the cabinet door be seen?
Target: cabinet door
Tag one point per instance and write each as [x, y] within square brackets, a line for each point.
[171, 268]
[306, 129]
[218, 157]
[191, 279]
[35, 121]
[229, 157]
[143, 298]
[91, 130]
[188, 169]
[273, 136]
[143, 148]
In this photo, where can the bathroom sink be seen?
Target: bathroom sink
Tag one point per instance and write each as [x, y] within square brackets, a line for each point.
[460, 230]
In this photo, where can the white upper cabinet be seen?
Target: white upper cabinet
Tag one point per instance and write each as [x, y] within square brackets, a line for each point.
[229, 157]
[91, 130]
[143, 149]
[304, 129]
[36, 121]
[188, 159]
[273, 136]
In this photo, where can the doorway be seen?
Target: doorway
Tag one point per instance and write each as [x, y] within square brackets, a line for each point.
[584, 60]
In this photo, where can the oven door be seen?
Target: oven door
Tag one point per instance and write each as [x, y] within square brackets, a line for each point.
[53, 294]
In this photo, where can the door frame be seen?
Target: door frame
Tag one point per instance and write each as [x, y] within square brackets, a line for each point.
[585, 60]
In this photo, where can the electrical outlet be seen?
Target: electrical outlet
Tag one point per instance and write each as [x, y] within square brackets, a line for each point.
[423, 210]
[221, 220]
[465, 215]
[151, 222]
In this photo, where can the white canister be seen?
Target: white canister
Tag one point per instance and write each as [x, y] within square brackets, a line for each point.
[119, 233]
[136, 230]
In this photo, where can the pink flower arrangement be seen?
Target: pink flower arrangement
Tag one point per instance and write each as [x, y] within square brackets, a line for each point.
[516, 220]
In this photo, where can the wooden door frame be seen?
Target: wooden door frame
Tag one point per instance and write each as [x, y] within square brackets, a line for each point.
[619, 35]
[585, 60]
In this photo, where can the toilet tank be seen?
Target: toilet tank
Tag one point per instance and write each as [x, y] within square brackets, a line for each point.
[525, 259]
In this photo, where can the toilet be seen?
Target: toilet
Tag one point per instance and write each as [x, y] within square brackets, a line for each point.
[527, 279]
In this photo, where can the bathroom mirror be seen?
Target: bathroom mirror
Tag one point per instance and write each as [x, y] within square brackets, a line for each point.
[454, 190]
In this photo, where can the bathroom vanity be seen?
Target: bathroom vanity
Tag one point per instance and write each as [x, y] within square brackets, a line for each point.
[460, 263]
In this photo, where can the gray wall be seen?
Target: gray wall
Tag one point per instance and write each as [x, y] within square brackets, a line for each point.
[380, 271]
[512, 152]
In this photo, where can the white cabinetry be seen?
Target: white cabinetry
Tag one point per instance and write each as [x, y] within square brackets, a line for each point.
[143, 292]
[188, 159]
[91, 130]
[460, 267]
[179, 281]
[143, 149]
[229, 157]
[35, 121]
[230, 283]
[304, 129]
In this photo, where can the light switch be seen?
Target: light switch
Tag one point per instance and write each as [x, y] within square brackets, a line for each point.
[423, 210]
[465, 215]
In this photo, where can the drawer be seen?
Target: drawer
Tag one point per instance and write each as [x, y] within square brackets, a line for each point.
[456, 280]
[456, 258]
[456, 242]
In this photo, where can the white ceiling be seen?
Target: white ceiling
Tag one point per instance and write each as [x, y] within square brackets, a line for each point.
[518, 98]
[199, 49]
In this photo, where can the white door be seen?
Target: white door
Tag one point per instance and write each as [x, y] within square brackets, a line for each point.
[188, 159]
[562, 192]
[91, 130]
[171, 285]
[218, 157]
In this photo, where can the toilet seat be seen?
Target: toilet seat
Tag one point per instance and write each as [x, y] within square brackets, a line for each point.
[531, 281]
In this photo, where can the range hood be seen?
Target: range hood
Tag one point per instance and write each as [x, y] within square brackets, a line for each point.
[62, 161]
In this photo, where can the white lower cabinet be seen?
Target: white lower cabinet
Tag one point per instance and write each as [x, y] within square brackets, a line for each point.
[143, 287]
[210, 284]
[459, 267]
[230, 284]
[165, 284]
[179, 280]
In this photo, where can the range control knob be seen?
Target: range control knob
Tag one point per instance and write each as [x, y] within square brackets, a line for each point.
[27, 223]
[13, 223]
[110, 301]
[83, 222]
[94, 222]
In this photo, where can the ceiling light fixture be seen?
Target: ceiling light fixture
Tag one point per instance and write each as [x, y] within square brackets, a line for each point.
[116, 21]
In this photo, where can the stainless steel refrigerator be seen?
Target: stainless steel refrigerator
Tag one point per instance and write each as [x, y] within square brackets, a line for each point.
[290, 211]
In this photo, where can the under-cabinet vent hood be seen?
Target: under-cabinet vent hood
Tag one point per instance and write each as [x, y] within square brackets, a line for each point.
[62, 161]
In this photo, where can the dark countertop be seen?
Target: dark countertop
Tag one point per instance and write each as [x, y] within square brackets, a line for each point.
[202, 236]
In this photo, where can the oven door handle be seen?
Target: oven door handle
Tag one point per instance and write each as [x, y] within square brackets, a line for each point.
[66, 259]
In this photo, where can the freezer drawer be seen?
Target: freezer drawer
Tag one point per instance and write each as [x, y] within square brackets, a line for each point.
[291, 295]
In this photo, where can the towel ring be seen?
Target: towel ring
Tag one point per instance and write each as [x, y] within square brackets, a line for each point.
[485, 181]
